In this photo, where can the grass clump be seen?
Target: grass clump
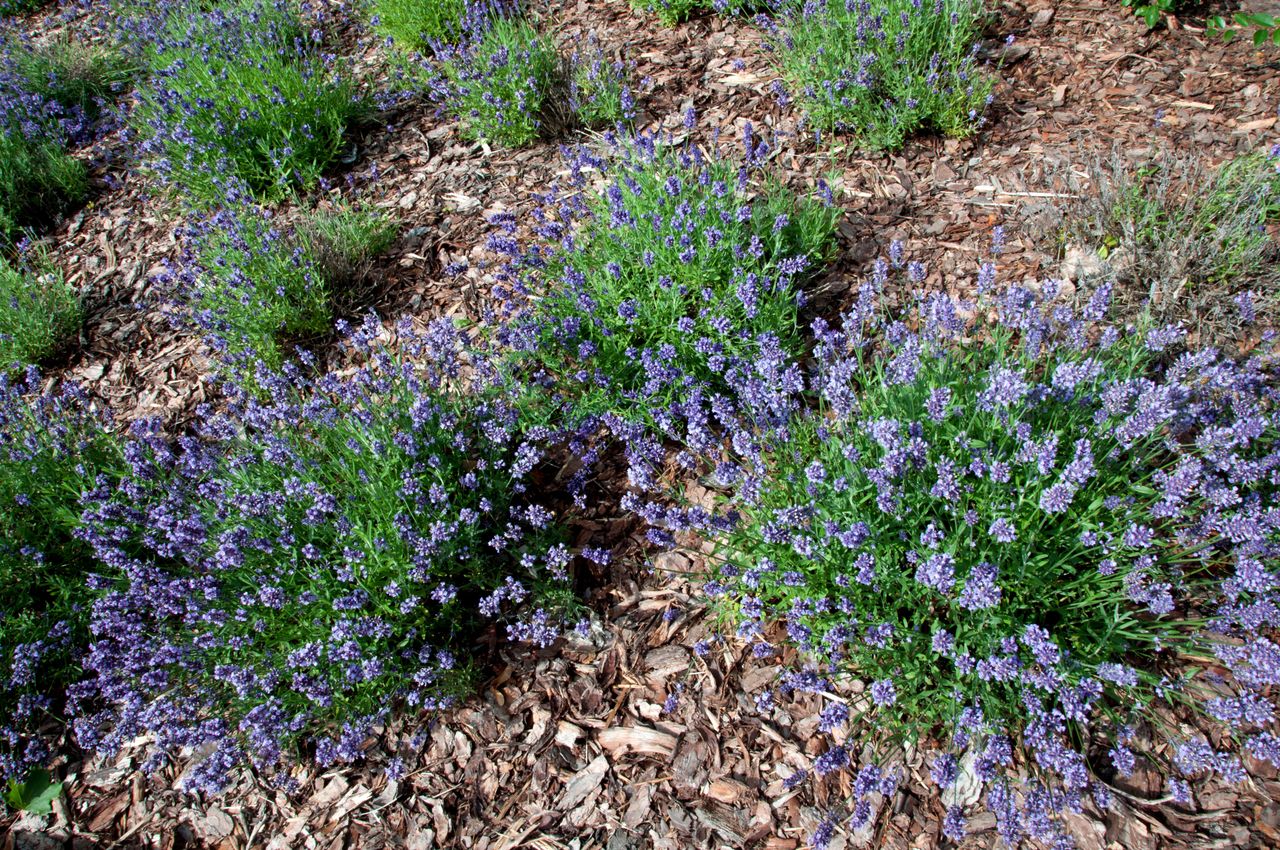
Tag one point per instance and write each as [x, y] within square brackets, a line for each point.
[39, 313]
[317, 558]
[881, 70]
[53, 449]
[243, 93]
[258, 283]
[415, 24]
[1191, 243]
[1024, 534]
[665, 279]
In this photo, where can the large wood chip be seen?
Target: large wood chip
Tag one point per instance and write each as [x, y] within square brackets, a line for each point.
[587, 780]
[621, 740]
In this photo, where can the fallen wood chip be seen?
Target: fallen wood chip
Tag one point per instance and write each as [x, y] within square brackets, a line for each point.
[587, 780]
[619, 741]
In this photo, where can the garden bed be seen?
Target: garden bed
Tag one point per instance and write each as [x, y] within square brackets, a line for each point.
[572, 746]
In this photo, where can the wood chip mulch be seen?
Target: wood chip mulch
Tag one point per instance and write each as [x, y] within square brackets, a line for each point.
[571, 748]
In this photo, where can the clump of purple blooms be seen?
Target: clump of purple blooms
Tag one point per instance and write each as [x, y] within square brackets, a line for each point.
[1012, 529]
[45, 108]
[252, 283]
[55, 448]
[599, 92]
[309, 560]
[510, 85]
[881, 70]
[498, 77]
[654, 287]
[245, 90]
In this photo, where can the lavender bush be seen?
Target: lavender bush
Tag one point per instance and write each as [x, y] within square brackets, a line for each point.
[881, 70]
[20, 7]
[39, 311]
[314, 557]
[54, 449]
[243, 91]
[1032, 538]
[500, 78]
[66, 79]
[252, 283]
[663, 281]
[38, 178]
[599, 92]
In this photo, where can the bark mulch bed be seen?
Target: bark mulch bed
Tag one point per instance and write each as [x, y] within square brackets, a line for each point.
[570, 748]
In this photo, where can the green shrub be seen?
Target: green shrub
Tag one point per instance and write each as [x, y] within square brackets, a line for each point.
[53, 448]
[414, 24]
[39, 313]
[881, 70]
[259, 284]
[242, 93]
[667, 279]
[502, 79]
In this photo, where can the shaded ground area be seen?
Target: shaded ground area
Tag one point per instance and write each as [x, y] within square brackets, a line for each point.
[570, 748]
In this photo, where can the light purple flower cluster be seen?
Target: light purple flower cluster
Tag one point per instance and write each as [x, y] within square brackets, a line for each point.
[246, 91]
[54, 447]
[646, 294]
[881, 70]
[308, 560]
[1003, 525]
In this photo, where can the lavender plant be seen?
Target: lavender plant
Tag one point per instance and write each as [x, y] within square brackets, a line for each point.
[252, 283]
[1189, 240]
[672, 12]
[317, 557]
[665, 279]
[54, 449]
[1031, 537]
[20, 7]
[414, 24]
[500, 77]
[881, 70]
[38, 178]
[599, 92]
[39, 311]
[66, 79]
[244, 91]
